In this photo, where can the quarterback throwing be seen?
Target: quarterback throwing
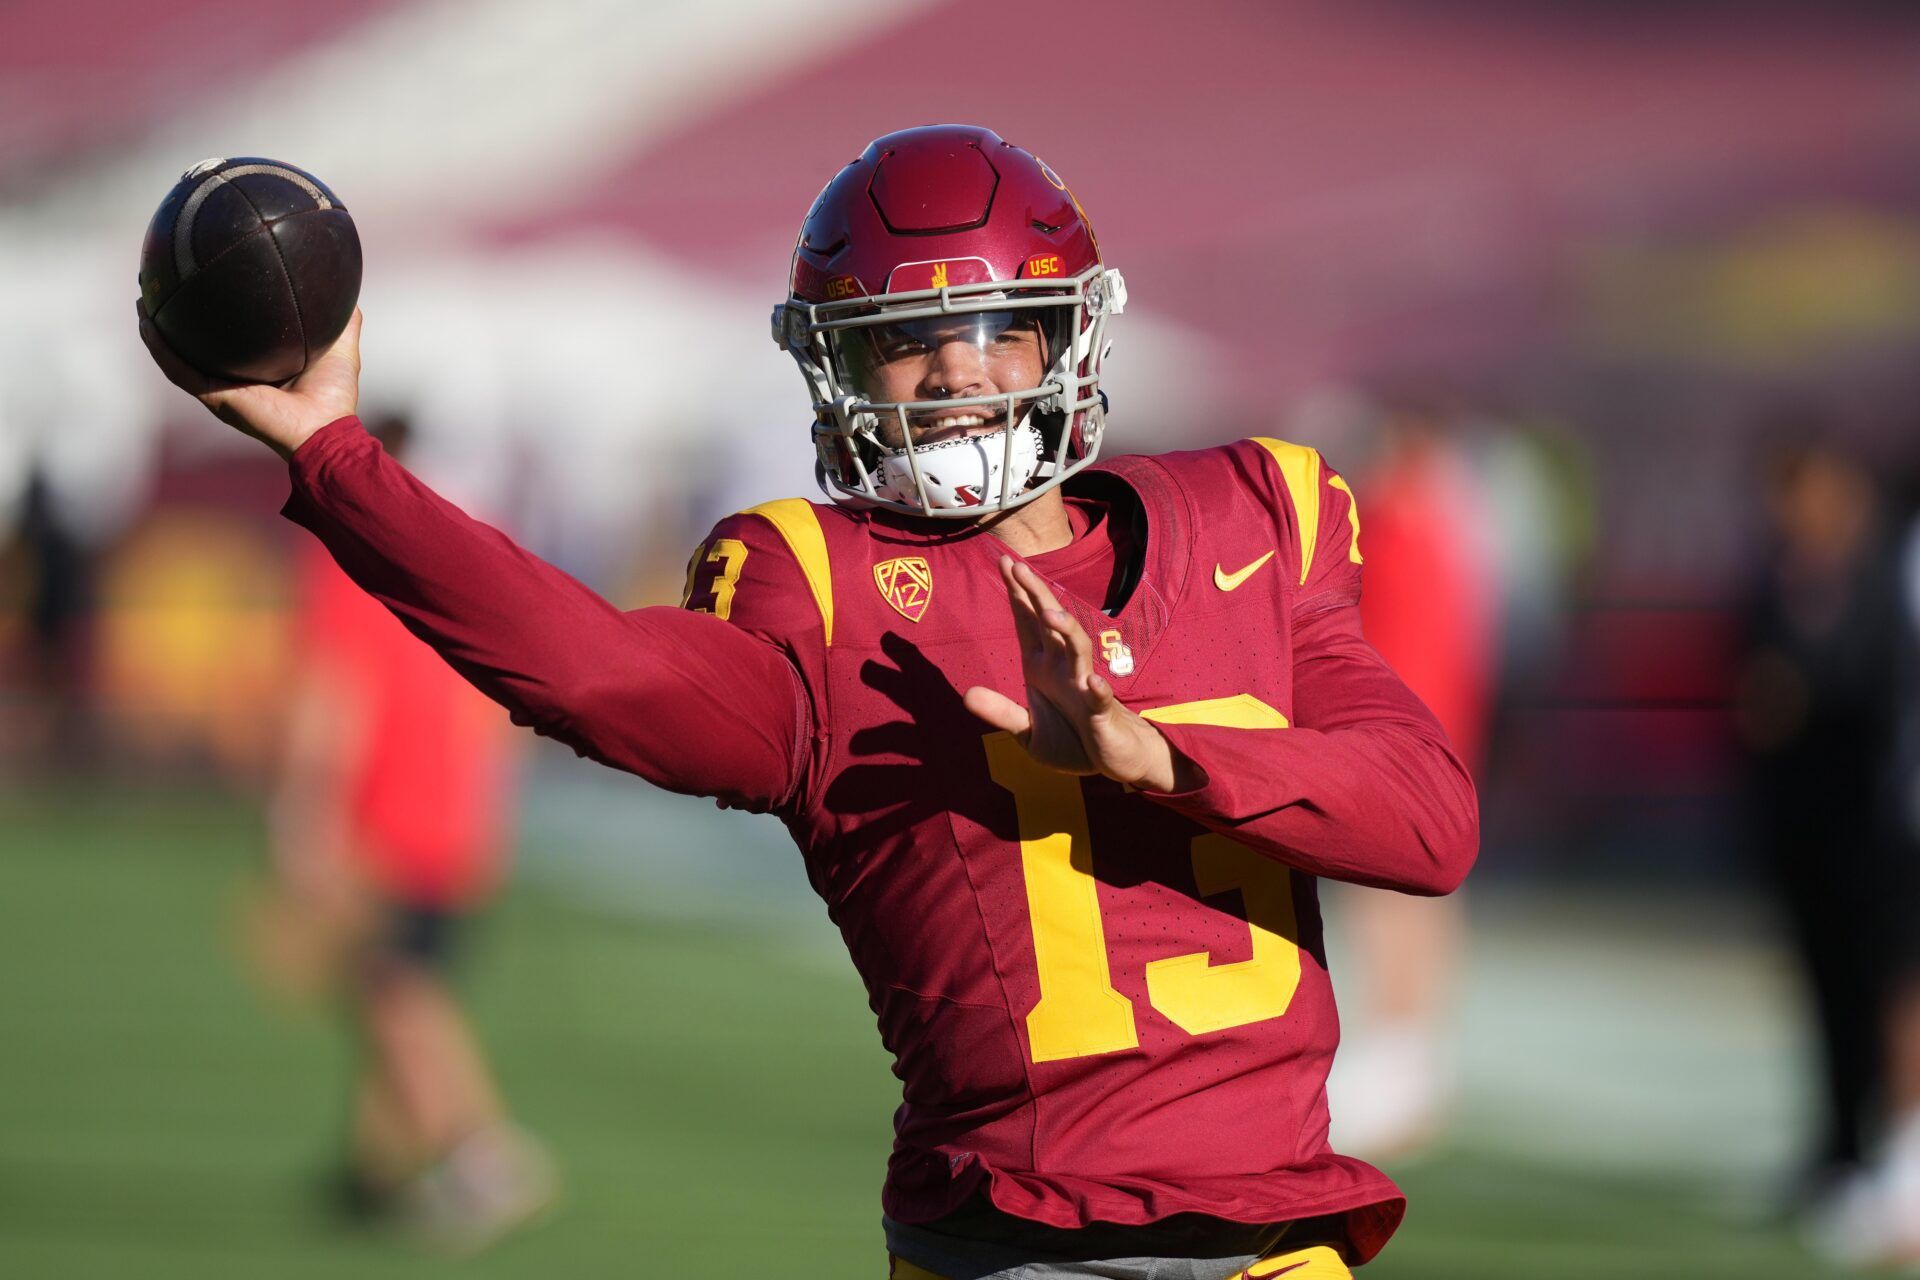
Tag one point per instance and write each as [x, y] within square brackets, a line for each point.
[1065, 744]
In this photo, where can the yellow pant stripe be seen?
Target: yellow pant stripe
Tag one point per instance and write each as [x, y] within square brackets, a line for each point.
[1317, 1263]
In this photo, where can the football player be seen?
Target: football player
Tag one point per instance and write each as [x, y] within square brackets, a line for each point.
[1065, 746]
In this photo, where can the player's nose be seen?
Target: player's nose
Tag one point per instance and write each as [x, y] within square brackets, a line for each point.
[958, 369]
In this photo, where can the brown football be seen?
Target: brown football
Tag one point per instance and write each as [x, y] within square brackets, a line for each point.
[251, 269]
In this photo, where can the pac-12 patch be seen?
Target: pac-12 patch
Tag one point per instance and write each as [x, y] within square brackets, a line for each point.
[907, 584]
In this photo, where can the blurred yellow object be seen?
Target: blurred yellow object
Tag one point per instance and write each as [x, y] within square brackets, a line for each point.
[193, 640]
[1788, 286]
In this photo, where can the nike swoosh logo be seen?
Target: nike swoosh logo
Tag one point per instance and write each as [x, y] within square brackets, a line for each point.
[1269, 1275]
[1228, 581]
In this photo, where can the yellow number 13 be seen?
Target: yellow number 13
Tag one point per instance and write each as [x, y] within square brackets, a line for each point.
[1079, 1011]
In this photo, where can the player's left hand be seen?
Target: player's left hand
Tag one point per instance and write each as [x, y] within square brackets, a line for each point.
[1072, 721]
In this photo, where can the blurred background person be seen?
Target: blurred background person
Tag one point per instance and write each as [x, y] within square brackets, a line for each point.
[1873, 1215]
[390, 824]
[59, 568]
[1429, 609]
[73, 474]
[1822, 699]
[1895, 1181]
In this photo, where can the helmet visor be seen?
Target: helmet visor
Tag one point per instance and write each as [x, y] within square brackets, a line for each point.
[941, 357]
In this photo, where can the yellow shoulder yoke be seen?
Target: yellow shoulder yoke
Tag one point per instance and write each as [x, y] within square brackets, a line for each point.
[1300, 467]
[799, 526]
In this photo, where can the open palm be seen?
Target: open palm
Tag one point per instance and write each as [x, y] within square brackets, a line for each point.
[1071, 721]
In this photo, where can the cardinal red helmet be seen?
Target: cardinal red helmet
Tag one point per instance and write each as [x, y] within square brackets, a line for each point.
[937, 235]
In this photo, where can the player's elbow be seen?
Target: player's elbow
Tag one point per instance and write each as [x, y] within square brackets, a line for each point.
[1449, 838]
[1447, 868]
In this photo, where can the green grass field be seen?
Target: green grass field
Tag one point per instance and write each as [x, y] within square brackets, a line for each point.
[714, 1090]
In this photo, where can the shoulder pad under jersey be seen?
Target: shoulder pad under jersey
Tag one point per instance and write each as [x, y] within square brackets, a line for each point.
[1324, 514]
[767, 569]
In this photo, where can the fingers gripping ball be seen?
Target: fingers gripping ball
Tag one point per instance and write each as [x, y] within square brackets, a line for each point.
[250, 269]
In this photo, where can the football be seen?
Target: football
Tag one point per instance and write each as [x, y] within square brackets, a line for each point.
[250, 269]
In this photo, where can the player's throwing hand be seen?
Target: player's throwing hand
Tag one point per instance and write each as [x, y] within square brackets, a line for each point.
[1072, 721]
[282, 417]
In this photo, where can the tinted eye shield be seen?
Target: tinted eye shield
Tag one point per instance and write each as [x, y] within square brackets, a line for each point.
[907, 349]
[900, 338]
[816, 333]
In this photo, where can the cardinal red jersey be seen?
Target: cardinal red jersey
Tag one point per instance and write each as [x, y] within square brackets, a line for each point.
[1103, 1005]
[1098, 1007]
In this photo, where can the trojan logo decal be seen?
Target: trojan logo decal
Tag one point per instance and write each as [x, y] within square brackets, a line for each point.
[907, 584]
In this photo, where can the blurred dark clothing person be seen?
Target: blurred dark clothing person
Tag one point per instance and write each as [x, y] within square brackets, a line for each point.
[59, 616]
[1819, 711]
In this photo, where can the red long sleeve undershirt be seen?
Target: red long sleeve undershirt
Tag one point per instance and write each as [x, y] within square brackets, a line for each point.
[642, 691]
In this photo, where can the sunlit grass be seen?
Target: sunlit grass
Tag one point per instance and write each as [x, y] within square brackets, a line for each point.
[716, 1096]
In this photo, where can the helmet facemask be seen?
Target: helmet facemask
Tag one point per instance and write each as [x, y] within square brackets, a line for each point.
[860, 355]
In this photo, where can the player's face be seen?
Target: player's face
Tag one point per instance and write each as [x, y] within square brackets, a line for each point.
[948, 358]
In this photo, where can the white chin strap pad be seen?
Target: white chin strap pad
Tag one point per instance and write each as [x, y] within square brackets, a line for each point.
[962, 472]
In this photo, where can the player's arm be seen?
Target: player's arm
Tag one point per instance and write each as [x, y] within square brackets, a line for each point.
[642, 691]
[1363, 786]
[306, 812]
[647, 691]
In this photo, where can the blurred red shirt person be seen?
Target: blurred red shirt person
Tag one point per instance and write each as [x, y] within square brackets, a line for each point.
[1429, 603]
[424, 764]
